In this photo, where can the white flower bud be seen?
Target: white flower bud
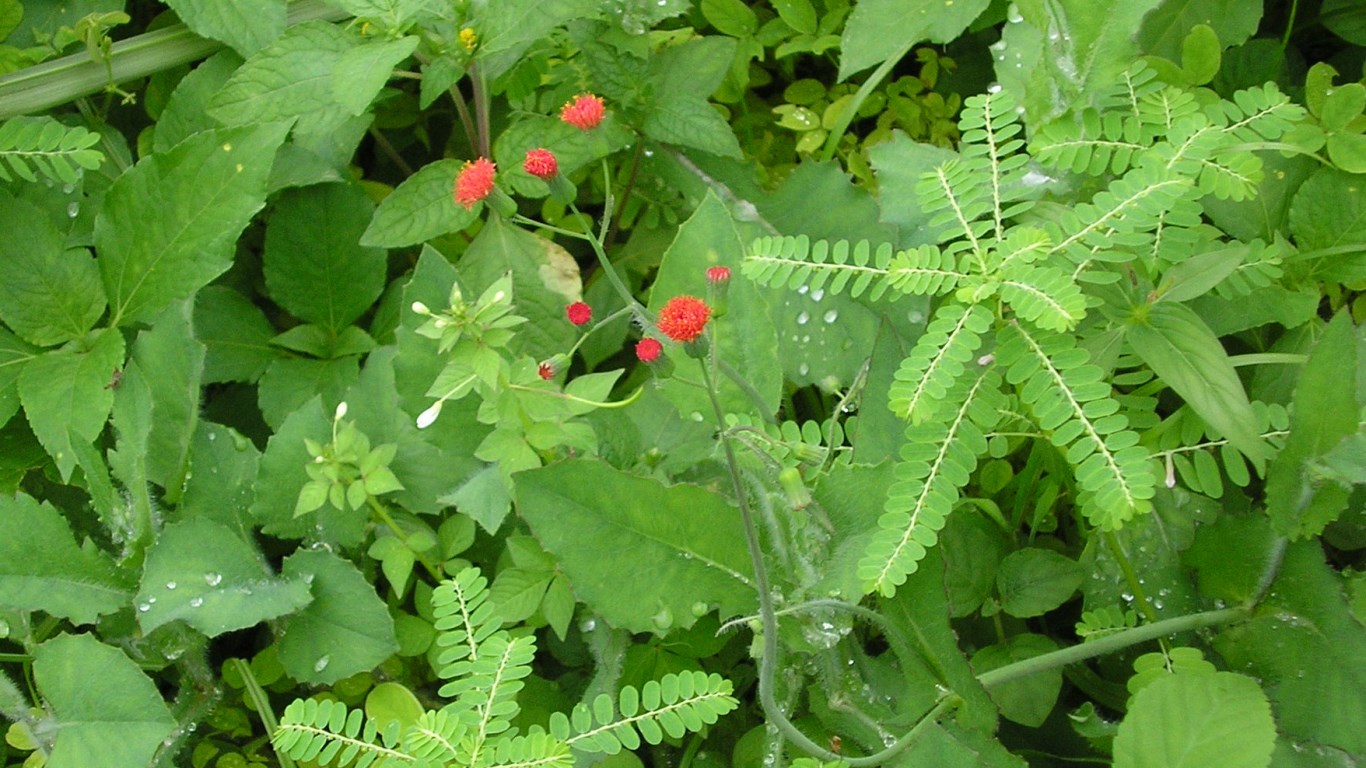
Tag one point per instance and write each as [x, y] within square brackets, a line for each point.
[421, 308]
[341, 411]
[428, 417]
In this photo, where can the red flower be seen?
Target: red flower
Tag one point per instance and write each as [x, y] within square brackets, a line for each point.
[546, 370]
[718, 275]
[584, 112]
[474, 183]
[579, 313]
[541, 164]
[648, 349]
[683, 318]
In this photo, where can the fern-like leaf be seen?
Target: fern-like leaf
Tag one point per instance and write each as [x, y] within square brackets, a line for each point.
[1189, 449]
[1123, 214]
[836, 266]
[325, 732]
[1102, 142]
[1071, 401]
[936, 462]
[937, 360]
[1045, 296]
[464, 618]
[790, 443]
[536, 749]
[990, 129]
[1105, 621]
[436, 737]
[673, 705]
[925, 271]
[34, 146]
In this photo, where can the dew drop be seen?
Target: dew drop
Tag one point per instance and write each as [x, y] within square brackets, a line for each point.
[817, 295]
[170, 585]
[995, 87]
[213, 436]
[322, 663]
[831, 316]
[916, 317]
[1013, 14]
[195, 602]
[803, 318]
[213, 579]
[144, 607]
[802, 289]
[803, 369]
[73, 209]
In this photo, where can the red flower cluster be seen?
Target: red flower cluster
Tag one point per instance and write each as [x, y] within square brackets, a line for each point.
[648, 349]
[683, 318]
[475, 182]
[541, 163]
[579, 313]
[584, 112]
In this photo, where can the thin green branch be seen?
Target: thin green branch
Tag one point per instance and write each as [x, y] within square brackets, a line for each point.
[261, 703]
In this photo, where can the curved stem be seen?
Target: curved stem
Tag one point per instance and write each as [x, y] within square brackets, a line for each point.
[261, 702]
[847, 115]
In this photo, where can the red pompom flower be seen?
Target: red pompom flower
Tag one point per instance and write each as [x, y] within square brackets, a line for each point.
[541, 163]
[546, 370]
[579, 313]
[683, 317]
[584, 112]
[718, 275]
[475, 182]
[648, 349]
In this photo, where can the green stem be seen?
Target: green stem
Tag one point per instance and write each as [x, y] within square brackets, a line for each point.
[1111, 644]
[1140, 596]
[261, 702]
[1289, 25]
[847, 114]
[56, 82]
[389, 522]
[612, 277]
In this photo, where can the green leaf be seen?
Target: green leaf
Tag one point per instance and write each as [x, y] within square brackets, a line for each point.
[1219, 720]
[184, 112]
[798, 14]
[1034, 581]
[682, 78]
[1325, 412]
[1346, 19]
[290, 382]
[42, 568]
[225, 491]
[1028, 700]
[419, 209]
[107, 711]
[877, 30]
[345, 630]
[202, 573]
[1329, 212]
[900, 162]
[66, 394]
[518, 592]
[1186, 354]
[169, 224]
[363, 70]
[235, 333]
[483, 497]
[601, 524]
[172, 361]
[245, 25]
[48, 294]
[730, 17]
[504, 36]
[1165, 29]
[14, 353]
[315, 267]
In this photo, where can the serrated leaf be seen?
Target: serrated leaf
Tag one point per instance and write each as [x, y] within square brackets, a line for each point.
[66, 394]
[1029, 700]
[290, 382]
[682, 78]
[601, 524]
[14, 353]
[168, 225]
[1219, 720]
[204, 574]
[106, 710]
[314, 265]
[419, 209]
[48, 294]
[235, 333]
[1034, 581]
[245, 25]
[175, 360]
[364, 69]
[346, 629]
[42, 568]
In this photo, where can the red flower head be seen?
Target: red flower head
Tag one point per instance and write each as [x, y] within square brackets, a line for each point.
[541, 164]
[584, 112]
[474, 183]
[683, 318]
[579, 313]
[648, 349]
[718, 275]
[546, 370]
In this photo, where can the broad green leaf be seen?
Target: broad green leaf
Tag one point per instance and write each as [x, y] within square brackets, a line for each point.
[1186, 354]
[172, 362]
[1166, 27]
[505, 35]
[107, 711]
[202, 573]
[745, 337]
[290, 382]
[1348, 151]
[1034, 581]
[1329, 212]
[292, 80]
[364, 69]
[518, 592]
[602, 525]
[1219, 720]
[11, 13]
[483, 497]
[1063, 50]
[48, 294]
[168, 225]
[730, 17]
[1221, 552]
[1324, 413]
[682, 77]
[131, 419]
[245, 25]
[235, 333]
[315, 267]
[224, 487]
[1309, 652]
[42, 568]
[392, 702]
[798, 14]
[420, 208]
[545, 279]
[1028, 700]
[67, 394]
[899, 163]
[13, 354]
[184, 112]
[973, 547]
[877, 30]
[1346, 19]
[345, 630]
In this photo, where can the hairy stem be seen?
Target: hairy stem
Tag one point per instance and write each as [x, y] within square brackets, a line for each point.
[261, 703]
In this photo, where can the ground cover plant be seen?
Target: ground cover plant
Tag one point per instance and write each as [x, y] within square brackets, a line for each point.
[791, 382]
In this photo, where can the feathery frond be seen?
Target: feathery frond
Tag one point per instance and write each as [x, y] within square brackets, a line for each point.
[937, 360]
[672, 705]
[327, 733]
[40, 146]
[796, 261]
